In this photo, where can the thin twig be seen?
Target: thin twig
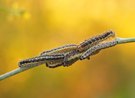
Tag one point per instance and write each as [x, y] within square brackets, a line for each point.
[19, 70]
[125, 40]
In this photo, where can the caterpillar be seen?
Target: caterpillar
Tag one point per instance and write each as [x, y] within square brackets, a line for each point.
[40, 60]
[95, 40]
[66, 62]
[97, 48]
[72, 60]
[60, 50]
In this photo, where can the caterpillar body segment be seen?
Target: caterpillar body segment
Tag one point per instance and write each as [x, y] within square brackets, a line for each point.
[95, 40]
[40, 60]
[66, 62]
[62, 49]
[72, 54]
[97, 48]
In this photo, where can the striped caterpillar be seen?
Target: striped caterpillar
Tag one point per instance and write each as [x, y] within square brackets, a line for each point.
[40, 60]
[62, 49]
[55, 64]
[70, 58]
[65, 50]
[65, 62]
[71, 55]
[97, 48]
[95, 40]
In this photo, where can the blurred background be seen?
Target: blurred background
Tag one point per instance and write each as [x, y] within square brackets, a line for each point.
[28, 27]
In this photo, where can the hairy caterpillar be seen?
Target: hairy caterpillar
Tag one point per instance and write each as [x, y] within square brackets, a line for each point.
[97, 48]
[66, 62]
[40, 60]
[95, 40]
[72, 54]
[60, 50]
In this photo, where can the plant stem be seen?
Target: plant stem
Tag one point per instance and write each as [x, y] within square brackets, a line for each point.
[125, 40]
[19, 70]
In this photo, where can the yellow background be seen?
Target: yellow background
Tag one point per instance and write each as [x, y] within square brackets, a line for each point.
[28, 27]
